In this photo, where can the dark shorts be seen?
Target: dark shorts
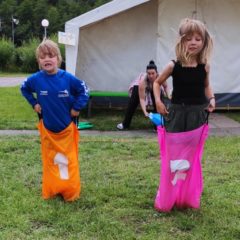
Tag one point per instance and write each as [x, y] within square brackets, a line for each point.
[182, 118]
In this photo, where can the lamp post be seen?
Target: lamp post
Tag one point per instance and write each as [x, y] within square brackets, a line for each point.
[15, 21]
[0, 24]
[45, 24]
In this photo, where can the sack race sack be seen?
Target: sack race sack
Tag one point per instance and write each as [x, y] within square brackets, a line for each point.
[181, 182]
[60, 162]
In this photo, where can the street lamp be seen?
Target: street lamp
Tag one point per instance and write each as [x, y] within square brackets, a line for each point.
[45, 24]
[0, 24]
[15, 21]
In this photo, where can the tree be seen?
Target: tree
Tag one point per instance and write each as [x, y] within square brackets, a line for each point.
[30, 14]
[25, 28]
[54, 20]
[40, 12]
[7, 10]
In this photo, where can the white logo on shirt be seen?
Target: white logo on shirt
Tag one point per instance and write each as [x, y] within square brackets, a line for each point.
[63, 93]
[43, 93]
[85, 88]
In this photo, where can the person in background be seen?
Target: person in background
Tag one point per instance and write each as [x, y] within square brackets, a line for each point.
[57, 96]
[141, 92]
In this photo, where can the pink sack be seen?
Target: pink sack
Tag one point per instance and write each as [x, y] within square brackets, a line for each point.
[181, 182]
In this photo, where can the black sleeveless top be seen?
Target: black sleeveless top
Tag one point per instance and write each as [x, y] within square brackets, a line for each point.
[189, 84]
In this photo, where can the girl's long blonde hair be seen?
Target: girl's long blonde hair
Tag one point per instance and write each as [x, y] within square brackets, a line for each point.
[188, 27]
[49, 47]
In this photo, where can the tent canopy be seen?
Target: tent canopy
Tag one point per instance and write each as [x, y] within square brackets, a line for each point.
[115, 42]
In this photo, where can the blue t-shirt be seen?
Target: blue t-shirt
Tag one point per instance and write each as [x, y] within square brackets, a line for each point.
[57, 94]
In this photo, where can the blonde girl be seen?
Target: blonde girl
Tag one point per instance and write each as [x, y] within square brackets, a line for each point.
[192, 94]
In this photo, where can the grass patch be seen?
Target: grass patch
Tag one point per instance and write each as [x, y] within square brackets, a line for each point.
[233, 115]
[107, 119]
[16, 113]
[8, 74]
[119, 181]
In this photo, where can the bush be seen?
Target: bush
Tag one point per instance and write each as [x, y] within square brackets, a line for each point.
[26, 56]
[7, 54]
[23, 58]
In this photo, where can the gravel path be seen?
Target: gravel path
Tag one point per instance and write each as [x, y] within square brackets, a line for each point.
[11, 81]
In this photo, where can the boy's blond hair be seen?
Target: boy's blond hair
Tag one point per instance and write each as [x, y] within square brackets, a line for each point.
[188, 27]
[48, 47]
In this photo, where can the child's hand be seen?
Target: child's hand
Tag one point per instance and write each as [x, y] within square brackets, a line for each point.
[37, 108]
[211, 106]
[74, 113]
[161, 108]
[146, 114]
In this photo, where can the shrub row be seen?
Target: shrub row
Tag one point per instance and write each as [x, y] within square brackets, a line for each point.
[21, 59]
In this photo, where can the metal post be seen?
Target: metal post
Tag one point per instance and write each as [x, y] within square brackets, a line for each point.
[12, 30]
[0, 24]
[14, 21]
[45, 32]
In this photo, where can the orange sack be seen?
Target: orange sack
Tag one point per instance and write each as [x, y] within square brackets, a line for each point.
[60, 162]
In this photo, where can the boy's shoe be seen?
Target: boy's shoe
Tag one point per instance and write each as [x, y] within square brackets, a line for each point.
[120, 126]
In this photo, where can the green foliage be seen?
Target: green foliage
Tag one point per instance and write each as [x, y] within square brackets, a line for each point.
[54, 20]
[24, 13]
[7, 9]
[7, 54]
[30, 14]
[29, 30]
[26, 56]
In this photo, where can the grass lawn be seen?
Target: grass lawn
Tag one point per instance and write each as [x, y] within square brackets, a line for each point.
[119, 181]
[6, 74]
[16, 113]
[235, 115]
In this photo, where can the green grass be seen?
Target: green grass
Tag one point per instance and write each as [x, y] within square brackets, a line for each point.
[10, 74]
[235, 115]
[107, 119]
[16, 113]
[119, 181]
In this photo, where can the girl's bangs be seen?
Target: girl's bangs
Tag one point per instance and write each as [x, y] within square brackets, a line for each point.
[47, 50]
[192, 28]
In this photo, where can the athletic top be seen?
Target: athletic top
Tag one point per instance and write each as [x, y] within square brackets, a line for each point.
[188, 84]
[57, 94]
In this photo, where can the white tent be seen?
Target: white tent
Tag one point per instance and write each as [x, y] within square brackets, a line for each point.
[114, 43]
